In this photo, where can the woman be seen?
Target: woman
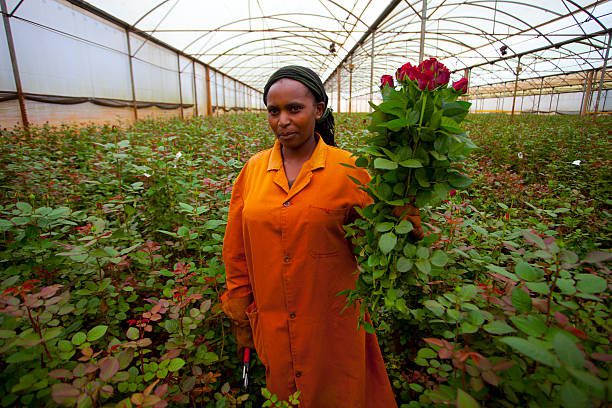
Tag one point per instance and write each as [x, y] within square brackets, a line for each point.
[287, 257]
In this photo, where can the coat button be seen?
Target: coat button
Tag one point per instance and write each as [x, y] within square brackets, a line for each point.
[292, 315]
[287, 259]
[286, 203]
[298, 373]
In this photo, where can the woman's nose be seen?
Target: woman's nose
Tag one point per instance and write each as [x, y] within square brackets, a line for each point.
[283, 119]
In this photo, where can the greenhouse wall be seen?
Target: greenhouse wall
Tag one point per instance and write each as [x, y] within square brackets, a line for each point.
[563, 103]
[75, 66]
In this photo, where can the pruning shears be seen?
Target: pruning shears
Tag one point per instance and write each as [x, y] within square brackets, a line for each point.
[246, 359]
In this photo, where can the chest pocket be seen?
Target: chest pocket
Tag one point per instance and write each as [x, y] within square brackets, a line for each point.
[324, 231]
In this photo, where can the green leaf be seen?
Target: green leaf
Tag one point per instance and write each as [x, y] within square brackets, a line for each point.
[422, 252]
[465, 400]
[411, 163]
[132, 333]
[427, 353]
[183, 231]
[423, 265]
[502, 271]
[439, 258]
[404, 227]
[52, 333]
[96, 333]
[79, 338]
[395, 124]
[528, 272]
[24, 207]
[572, 396]
[566, 286]
[21, 356]
[532, 325]
[404, 264]
[7, 334]
[384, 226]
[176, 364]
[567, 351]
[384, 164]
[459, 180]
[498, 327]
[532, 350]
[521, 300]
[538, 287]
[588, 283]
[387, 242]
[421, 177]
[587, 379]
[186, 207]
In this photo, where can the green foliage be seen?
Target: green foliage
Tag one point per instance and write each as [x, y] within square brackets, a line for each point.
[110, 267]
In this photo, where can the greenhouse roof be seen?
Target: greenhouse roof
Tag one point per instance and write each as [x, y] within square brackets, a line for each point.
[249, 39]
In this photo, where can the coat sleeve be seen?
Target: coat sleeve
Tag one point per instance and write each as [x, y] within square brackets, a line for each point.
[239, 293]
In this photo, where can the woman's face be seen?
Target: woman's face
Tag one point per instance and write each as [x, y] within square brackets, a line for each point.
[292, 112]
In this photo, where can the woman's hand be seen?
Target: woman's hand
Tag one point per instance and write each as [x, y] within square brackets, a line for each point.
[410, 213]
[244, 337]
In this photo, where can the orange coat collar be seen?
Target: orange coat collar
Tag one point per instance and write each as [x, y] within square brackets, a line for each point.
[316, 161]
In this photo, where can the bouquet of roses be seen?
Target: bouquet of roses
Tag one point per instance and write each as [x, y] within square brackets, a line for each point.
[415, 139]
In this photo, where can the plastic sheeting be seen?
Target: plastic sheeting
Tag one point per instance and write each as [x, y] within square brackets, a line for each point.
[7, 81]
[62, 51]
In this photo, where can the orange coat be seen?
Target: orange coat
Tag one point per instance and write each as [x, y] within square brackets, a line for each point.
[285, 248]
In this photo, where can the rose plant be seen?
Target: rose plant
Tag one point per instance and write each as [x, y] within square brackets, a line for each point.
[415, 142]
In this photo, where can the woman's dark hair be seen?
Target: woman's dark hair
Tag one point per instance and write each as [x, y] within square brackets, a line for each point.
[325, 125]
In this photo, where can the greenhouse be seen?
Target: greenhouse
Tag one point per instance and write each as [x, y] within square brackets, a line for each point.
[116, 60]
[178, 229]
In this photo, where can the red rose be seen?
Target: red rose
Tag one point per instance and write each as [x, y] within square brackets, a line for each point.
[386, 80]
[406, 72]
[443, 76]
[432, 74]
[426, 80]
[461, 85]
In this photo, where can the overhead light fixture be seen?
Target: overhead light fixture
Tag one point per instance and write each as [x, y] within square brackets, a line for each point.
[332, 48]
[503, 50]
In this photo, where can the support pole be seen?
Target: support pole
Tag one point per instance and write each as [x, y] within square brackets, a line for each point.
[557, 105]
[603, 75]
[223, 91]
[372, 70]
[423, 21]
[207, 85]
[195, 92]
[338, 75]
[11, 47]
[216, 94]
[518, 71]
[129, 48]
[350, 101]
[235, 95]
[540, 96]
[587, 94]
[552, 94]
[178, 65]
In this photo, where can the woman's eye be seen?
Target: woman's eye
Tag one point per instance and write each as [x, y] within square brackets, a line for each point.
[295, 108]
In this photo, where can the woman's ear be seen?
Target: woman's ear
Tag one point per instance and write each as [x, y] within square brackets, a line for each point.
[319, 109]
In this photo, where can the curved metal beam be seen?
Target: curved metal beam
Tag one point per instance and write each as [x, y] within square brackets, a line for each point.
[270, 17]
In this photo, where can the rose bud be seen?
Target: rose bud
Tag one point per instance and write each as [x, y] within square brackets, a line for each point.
[461, 85]
[386, 80]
